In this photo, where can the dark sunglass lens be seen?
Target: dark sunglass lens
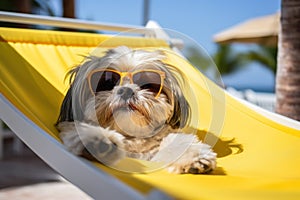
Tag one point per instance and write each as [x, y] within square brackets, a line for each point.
[148, 81]
[104, 81]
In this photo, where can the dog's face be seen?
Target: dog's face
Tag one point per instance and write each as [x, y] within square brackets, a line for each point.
[130, 91]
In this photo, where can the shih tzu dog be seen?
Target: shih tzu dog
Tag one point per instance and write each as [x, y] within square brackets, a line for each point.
[129, 103]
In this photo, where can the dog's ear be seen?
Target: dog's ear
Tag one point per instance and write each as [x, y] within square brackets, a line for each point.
[181, 111]
[173, 87]
[79, 88]
[66, 111]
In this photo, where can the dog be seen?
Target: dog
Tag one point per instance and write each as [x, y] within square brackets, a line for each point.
[129, 103]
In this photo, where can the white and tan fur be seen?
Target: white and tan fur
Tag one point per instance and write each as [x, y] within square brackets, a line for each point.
[108, 128]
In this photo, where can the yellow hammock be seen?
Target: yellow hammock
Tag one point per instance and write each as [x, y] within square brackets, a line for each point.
[262, 162]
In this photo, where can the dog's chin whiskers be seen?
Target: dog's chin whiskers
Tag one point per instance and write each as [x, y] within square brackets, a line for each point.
[141, 110]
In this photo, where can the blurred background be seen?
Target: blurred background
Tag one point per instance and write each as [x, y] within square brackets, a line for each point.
[243, 66]
[247, 67]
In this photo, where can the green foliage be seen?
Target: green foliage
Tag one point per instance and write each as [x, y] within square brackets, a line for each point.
[228, 60]
[267, 56]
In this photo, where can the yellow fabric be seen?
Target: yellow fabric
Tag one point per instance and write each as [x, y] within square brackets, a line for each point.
[262, 162]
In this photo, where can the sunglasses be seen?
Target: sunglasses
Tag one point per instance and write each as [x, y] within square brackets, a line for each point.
[106, 79]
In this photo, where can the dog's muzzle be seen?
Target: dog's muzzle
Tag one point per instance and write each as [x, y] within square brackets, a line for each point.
[125, 93]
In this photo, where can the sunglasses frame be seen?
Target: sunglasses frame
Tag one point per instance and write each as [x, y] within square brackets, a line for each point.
[130, 75]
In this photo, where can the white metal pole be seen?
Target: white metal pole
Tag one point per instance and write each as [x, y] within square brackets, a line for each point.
[70, 23]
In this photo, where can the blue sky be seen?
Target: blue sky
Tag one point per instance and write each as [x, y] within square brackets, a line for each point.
[199, 19]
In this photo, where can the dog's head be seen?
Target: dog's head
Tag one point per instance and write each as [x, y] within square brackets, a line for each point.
[131, 91]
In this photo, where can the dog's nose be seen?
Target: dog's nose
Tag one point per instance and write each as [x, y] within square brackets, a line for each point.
[125, 92]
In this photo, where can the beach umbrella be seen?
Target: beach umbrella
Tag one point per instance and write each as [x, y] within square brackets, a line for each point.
[261, 30]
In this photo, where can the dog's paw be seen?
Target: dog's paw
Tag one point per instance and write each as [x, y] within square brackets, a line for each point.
[198, 159]
[92, 142]
[103, 149]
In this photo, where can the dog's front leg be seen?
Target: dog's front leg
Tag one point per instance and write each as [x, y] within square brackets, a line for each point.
[194, 156]
[198, 159]
[92, 142]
